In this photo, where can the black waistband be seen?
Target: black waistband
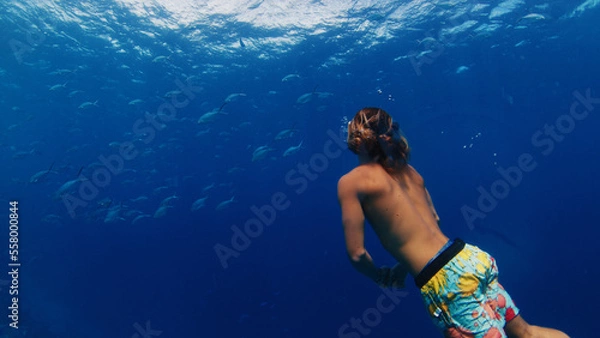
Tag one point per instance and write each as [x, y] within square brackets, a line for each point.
[442, 259]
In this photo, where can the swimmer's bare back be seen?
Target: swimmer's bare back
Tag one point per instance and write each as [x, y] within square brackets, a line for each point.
[399, 209]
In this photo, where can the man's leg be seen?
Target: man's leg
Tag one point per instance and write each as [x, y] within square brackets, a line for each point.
[544, 332]
[519, 328]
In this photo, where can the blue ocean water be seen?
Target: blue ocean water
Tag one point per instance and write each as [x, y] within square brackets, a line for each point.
[175, 162]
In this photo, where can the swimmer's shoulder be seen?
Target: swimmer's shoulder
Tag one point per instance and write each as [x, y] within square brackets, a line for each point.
[360, 178]
[414, 175]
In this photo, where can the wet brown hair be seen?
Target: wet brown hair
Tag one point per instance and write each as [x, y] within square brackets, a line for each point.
[374, 129]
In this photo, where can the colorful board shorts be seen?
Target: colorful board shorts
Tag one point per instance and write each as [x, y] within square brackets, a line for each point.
[461, 292]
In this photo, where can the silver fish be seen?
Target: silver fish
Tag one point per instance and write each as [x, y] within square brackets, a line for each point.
[199, 203]
[292, 150]
[225, 204]
[88, 104]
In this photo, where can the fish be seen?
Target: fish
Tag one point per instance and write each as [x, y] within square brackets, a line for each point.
[242, 43]
[234, 97]
[199, 203]
[461, 69]
[256, 5]
[401, 57]
[290, 77]
[208, 187]
[235, 170]
[39, 176]
[285, 134]
[133, 213]
[59, 86]
[172, 93]
[75, 92]
[60, 72]
[136, 101]
[139, 199]
[532, 17]
[225, 204]
[140, 217]
[113, 215]
[88, 104]
[159, 190]
[22, 154]
[167, 201]
[105, 203]
[66, 187]
[522, 43]
[210, 116]
[323, 95]
[261, 152]
[423, 54]
[161, 211]
[428, 41]
[292, 150]
[305, 98]
[203, 132]
[161, 58]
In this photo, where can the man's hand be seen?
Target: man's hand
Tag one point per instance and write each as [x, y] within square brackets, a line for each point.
[392, 277]
[399, 272]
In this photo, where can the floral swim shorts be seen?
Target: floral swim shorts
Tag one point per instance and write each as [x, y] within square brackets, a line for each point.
[461, 292]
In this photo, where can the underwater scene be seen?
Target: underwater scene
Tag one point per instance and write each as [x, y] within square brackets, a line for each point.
[171, 167]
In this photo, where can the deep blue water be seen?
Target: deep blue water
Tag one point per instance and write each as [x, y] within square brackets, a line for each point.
[481, 96]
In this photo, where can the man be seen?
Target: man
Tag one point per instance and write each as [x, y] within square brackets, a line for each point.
[458, 282]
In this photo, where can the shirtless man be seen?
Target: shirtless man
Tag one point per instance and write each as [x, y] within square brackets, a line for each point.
[458, 282]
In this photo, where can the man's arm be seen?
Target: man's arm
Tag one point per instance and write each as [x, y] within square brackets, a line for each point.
[353, 220]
